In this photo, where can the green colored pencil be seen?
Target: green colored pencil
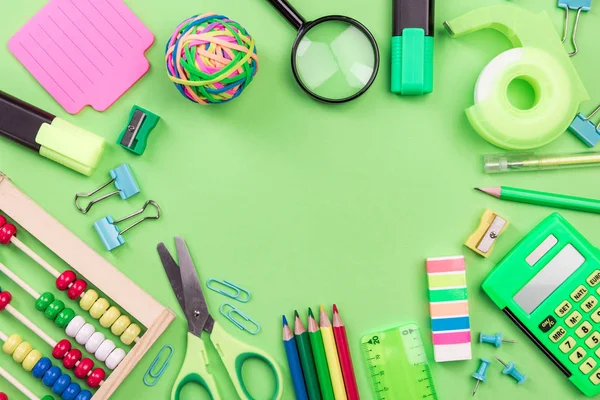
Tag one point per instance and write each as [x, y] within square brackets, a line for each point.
[544, 199]
[306, 359]
[318, 349]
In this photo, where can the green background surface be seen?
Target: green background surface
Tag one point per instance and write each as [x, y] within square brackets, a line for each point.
[301, 202]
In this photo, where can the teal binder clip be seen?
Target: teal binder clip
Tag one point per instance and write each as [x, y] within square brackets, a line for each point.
[230, 315]
[239, 293]
[585, 130]
[579, 5]
[156, 375]
[135, 136]
[124, 181]
[412, 47]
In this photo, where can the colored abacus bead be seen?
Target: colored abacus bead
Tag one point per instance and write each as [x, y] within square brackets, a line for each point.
[65, 279]
[120, 325]
[84, 395]
[61, 349]
[88, 299]
[94, 342]
[7, 231]
[54, 309]
[130, 334]
[11, 344]
[71, 391]
[47, 397]
[77, 289]
[104, 350]
[64, 317]
[51, 376]
[61, 384]
[21, 352]
[109, 317]
[31, 360]
[115, 358]
[41, 367]
[44, 301]
[5, 298]
[96, 378]
[85, 333]
[99, 308]
[2, 220]
[74, 326]
[71, 358]
[83, 368]
[3, 396]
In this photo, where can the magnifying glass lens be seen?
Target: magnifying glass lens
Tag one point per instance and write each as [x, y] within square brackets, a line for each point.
[335, 60]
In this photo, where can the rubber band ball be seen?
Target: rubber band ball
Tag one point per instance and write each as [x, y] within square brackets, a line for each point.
[211, 59]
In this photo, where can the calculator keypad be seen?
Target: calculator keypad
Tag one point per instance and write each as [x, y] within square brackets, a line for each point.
[594, 278]
[568, 345]
[583, 329]
[573, 319]
[558, 334]
[579, 293]
[587, 366]
[577, 355]
[593, 340]
[563, 309]
[589, 304]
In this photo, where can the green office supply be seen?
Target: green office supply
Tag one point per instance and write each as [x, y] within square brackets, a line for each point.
[548, 285]
[318, 349]
[397, 364]
[412, 47]
[544, 199]
[306, 359]
[135, 136]
[538, 59]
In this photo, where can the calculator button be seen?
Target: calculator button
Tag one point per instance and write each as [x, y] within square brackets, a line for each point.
[578, 294]
[587, 366]
[595, 377]
[589, 304]
[594, 278]
[557, 334]
[593, 340]
[583, 329]
[563, 309]
[547, 324]
[567, 345]
[573, 319]
[596, 315]
[577, 355]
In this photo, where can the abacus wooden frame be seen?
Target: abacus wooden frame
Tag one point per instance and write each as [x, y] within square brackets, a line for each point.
[106, 277]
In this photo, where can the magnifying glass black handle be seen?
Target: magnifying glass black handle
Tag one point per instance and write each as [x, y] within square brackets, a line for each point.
[289, 13]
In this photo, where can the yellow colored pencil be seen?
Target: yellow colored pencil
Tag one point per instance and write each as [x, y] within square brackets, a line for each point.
[333, 361]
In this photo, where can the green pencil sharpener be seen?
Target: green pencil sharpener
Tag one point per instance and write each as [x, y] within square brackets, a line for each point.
[412, 47]
[135, 136]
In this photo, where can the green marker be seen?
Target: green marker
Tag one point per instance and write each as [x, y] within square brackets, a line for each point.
[412, 47]
[306, 359]
[318, 349]
[135, 136]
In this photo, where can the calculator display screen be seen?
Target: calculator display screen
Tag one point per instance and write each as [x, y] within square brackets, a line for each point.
[549, 278]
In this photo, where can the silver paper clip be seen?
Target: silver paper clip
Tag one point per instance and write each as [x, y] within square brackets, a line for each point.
[156, 375]
[239, 293]
[246, 318]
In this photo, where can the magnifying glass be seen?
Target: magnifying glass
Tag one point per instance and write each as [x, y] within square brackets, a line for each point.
[335, 59]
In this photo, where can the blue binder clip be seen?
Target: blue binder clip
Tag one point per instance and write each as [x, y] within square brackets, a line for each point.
[109, 232]
[585, 130]
[122, 177]
[579, 5]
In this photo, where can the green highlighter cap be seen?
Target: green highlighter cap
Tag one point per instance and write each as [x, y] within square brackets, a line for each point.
[412, 47]
[539, 59]
[135, 136]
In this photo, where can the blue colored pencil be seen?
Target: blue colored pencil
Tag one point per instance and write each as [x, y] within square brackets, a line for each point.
[294, 362]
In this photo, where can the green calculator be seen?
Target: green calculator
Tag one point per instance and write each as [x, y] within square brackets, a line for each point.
[549, 285]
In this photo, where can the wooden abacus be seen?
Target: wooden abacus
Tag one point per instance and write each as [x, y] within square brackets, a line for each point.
[99, 272]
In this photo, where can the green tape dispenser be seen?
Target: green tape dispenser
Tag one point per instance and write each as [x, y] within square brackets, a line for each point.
[539, 59]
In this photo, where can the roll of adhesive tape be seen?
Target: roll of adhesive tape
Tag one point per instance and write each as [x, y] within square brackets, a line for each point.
[502, 124]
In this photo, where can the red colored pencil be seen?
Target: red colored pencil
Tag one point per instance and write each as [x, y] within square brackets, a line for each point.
[341, 341]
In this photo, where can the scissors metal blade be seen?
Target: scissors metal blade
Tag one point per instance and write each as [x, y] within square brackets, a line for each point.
[173, 273]
[195, 309]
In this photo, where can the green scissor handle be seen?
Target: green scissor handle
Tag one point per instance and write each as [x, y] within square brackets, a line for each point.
[195, 369]
[234, 353]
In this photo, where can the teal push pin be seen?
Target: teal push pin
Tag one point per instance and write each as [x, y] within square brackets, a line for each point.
[480, 374]
[496, 339]
[509, 369]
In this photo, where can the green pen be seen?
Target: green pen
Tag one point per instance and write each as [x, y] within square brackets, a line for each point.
[544, 199]
[412, 47]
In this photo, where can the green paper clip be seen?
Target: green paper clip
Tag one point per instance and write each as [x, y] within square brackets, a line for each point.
[135, 136]
[156, 375]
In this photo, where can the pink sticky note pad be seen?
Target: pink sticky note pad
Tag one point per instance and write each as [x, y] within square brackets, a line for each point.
[84, 51]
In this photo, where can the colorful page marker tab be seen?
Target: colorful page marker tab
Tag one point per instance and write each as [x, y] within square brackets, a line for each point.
[449, 308]
[84, 52]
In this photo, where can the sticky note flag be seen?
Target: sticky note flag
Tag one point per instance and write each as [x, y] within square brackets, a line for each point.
[449, 308]
[84, 51]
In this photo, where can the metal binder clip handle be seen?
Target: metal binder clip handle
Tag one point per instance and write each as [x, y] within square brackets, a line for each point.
[124, 181]
[239, 293]
[234, 311]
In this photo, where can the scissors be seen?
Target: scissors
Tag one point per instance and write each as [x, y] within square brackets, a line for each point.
[234, 353]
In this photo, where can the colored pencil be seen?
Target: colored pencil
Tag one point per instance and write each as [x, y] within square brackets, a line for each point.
[316, 342]
[543, 199]
[333, 360]
[294, 362]
[341, 340]
[306, 359]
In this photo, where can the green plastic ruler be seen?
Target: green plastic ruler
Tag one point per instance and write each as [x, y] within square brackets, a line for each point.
[397, 363]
